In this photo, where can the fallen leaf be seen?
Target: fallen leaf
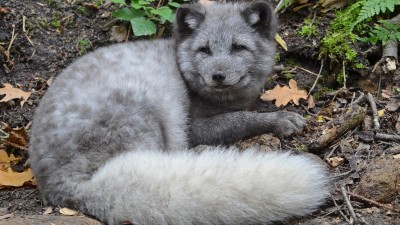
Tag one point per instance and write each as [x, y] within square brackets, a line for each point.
[118, 34]
[48, 210]
[281, 42]
[68, 212]
[393, 105]
[320, 119]
[4, 10]
[18, 136]
[283, 95]
[49, 82]
[4, 158]
[381, 112]
[335, 161]
[14, 179]
[396, 156]
[13, 93]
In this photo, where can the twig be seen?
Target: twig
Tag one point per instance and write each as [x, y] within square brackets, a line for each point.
[13, 36]
[374, 111]
[331, 153]
[24, 30]
[344, 76]
[316, 80]
[349, 206]
[360, 99]
[306, 70]
[14, 145]
[373, 202]
[278, 6]
[388, 137]
[340, 211]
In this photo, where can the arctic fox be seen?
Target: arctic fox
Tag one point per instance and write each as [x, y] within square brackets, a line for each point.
[112, 135]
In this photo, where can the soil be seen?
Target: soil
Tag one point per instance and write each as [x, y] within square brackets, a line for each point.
[50, 34]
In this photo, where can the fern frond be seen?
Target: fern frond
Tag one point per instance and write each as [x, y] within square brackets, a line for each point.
[371, 8]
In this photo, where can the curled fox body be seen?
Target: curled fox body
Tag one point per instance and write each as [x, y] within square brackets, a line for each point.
[112, 135]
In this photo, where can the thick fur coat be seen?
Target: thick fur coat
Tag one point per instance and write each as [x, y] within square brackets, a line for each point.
[112, 135]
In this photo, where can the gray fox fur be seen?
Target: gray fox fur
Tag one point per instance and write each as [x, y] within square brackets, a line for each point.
[112, 135]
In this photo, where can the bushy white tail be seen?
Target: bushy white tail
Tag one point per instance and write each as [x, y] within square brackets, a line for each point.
[216, 186]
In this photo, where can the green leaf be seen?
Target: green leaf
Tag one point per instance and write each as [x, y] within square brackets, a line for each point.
[128, 13]
[122, 2]
[141, 26]
[174, 4]
[164, 12]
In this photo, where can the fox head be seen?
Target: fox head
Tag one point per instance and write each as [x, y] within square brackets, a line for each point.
[225, 51]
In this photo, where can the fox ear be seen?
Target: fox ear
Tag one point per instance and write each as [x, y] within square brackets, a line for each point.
[261, 17]
[188, 19]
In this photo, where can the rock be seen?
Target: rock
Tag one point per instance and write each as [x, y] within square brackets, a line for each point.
[380, 182]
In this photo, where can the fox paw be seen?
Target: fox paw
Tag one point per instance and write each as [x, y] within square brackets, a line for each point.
[287, 123]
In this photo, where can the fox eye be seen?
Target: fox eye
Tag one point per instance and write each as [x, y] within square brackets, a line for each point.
[205, 50]
[238, 48]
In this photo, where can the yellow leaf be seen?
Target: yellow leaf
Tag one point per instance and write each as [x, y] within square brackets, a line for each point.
[13, 93]
[381, 112]
[283, 95]
[14, 179]
[320, 119]
[281, 42]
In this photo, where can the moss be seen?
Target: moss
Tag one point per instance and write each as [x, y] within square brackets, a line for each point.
[309, 29]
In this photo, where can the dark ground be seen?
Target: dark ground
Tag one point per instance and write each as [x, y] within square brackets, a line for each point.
[56, 32]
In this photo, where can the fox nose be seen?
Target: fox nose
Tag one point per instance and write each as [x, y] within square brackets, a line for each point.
[218, 77]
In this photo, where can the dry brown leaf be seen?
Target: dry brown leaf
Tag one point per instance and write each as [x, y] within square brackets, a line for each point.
[68, 212]
[19, 136]
[283, 95]
[13, 93]
[4, 158]
[335, 161]
[14, 179]
[4, 10]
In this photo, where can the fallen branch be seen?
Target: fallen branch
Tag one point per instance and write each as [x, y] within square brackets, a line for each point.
[346, 122]
[373, 202]
[387, 137]
[348, 203]
[374, 111]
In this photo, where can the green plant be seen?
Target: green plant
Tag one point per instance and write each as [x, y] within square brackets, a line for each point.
[309, 29]
[372, 8]
[384, 32]
[337, 47]
[338, 41]
[143, 15]
[283, 5]
[83, 45]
